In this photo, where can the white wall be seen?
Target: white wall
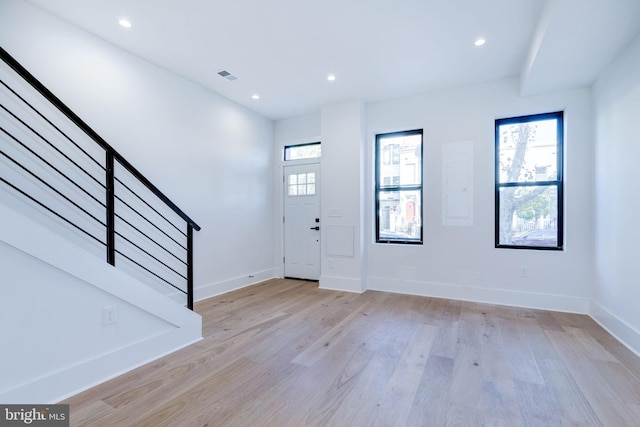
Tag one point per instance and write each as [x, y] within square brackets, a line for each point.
[297, 130]
[210, 156]
[461, 261]
[343, 170]
[617, 145]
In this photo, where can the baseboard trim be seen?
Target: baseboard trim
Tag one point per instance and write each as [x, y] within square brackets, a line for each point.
[563, 303]
[344, 284]
[60, 385]
[219, 288]
[626, 334]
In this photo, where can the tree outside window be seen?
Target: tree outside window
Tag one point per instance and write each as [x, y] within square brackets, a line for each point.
[529, 181]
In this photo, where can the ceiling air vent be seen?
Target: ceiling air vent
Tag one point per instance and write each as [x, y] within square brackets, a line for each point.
[227, 75]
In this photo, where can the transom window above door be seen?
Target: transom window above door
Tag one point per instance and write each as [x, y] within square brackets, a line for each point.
[302, 151]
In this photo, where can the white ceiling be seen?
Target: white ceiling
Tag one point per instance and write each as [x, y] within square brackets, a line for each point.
[378, 49]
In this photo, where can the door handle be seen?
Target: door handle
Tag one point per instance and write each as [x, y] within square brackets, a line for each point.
[317, 227]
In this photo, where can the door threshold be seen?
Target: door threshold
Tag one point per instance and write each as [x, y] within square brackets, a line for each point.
[298, 278]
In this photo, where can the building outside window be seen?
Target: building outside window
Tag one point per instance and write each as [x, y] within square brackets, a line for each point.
[398, 190]
[529, 181]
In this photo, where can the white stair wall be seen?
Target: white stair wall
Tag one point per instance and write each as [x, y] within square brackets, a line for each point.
[52, 297]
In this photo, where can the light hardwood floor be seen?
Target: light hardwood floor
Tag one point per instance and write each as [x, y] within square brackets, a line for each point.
[285, 353]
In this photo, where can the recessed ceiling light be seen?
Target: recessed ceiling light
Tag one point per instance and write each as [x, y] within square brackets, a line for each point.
[480, 42]
[331, 77]
[125, 23]
[256, 96]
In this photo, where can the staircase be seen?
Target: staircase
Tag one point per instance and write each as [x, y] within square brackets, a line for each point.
[97, 263]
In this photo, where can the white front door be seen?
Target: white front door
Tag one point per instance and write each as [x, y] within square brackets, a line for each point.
[302, 221]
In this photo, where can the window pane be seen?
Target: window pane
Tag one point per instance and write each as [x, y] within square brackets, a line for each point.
[399, 215]
[529, 216]
[528, 151]
[529, 181]
[306, 151]
[401, 160]
[302, 184]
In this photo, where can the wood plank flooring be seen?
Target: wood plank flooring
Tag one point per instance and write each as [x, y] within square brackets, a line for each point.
[285, 353]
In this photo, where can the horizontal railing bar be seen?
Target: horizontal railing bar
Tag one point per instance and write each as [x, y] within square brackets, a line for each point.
[52, 124]
[52, 167]
[9, 60]
[151, 272]
[53, 146]
[55, 190]
[153, 189]
[143, 250]
[151, 223]
[145, 235]
[33, 199]
[150, 207]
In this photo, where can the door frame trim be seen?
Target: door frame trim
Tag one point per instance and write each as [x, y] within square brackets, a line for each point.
[278, 192]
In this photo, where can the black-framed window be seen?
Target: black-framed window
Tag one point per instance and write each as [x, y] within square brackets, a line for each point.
[529, 181]
[398, 189]
[310, 150]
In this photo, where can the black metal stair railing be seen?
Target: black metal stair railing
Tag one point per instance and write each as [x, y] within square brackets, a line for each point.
[55, 161]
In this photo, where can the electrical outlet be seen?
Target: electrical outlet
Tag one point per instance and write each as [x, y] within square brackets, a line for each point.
[523, 271]
[109, 315]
